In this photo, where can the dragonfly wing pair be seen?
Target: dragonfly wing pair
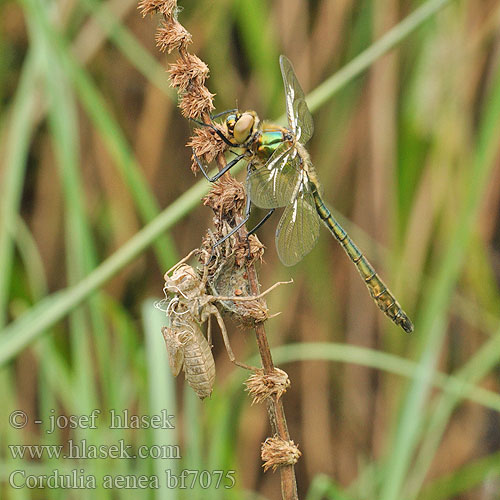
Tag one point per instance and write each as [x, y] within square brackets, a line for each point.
[282, 182]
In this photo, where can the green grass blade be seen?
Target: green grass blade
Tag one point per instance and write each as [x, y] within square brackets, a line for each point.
[161, 391]
[81, 251]
[53, 308]
[464, 479]
[484, 361]
[453, 385]
[137, 55]
[431, 323]
[364, 60]
[14, 159]
[32, 260]
[112, 135]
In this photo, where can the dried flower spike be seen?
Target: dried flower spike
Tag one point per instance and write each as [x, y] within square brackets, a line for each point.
[276, 452]
[262, 386]
[165, 7]
[249, 251]
[207, 145]
[171, 36]
[196, 102]
[187, 72]
[227, 197]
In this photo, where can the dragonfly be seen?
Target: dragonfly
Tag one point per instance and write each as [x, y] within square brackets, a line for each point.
[281, 174]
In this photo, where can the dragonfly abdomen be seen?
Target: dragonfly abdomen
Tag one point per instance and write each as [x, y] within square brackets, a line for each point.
[382, 296]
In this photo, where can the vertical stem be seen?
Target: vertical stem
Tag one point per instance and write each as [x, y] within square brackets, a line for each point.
[275, 408]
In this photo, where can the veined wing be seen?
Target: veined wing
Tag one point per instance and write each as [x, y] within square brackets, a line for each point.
[299, 117]
[298, 229]
[274, 183]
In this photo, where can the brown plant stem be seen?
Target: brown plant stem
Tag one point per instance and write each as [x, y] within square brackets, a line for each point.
[188, 75]
[275, 408]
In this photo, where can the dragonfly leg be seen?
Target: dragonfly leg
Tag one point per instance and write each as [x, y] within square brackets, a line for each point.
[215, 129]
[222, 113]
[209, 332]
[254, 229]
[230, 165]
[225, 337]
[238, 226]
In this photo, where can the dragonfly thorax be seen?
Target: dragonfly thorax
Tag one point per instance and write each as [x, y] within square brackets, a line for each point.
[269, 138]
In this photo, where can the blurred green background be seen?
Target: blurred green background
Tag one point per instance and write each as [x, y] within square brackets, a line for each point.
[92, 149]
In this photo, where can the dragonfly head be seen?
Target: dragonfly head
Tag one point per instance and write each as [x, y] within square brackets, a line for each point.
[241, 126]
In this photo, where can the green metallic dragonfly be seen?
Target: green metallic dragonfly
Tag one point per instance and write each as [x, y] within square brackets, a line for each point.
[281, 174]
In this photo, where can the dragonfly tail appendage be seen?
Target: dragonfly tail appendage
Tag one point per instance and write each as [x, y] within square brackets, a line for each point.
[382, 296]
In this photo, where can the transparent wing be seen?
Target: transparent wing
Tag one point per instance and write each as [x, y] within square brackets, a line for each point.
[298, 229]
[299, 117]
[273, 184]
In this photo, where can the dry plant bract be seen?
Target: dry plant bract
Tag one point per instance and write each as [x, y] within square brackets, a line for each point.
[165, 7]
[262, 385]
[172, 36]
[276, 452]
[207, 145]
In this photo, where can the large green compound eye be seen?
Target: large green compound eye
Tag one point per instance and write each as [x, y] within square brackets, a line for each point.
[230, 121]
[243, 128]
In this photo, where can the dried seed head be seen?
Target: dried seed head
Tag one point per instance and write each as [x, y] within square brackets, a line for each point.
[248, 253]
[171, 35]
[227, 197]
[165, 7]
[207, 145]
[276, 452]
[261, 386]
[188, 71]
[196, 101]
[252, 312]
